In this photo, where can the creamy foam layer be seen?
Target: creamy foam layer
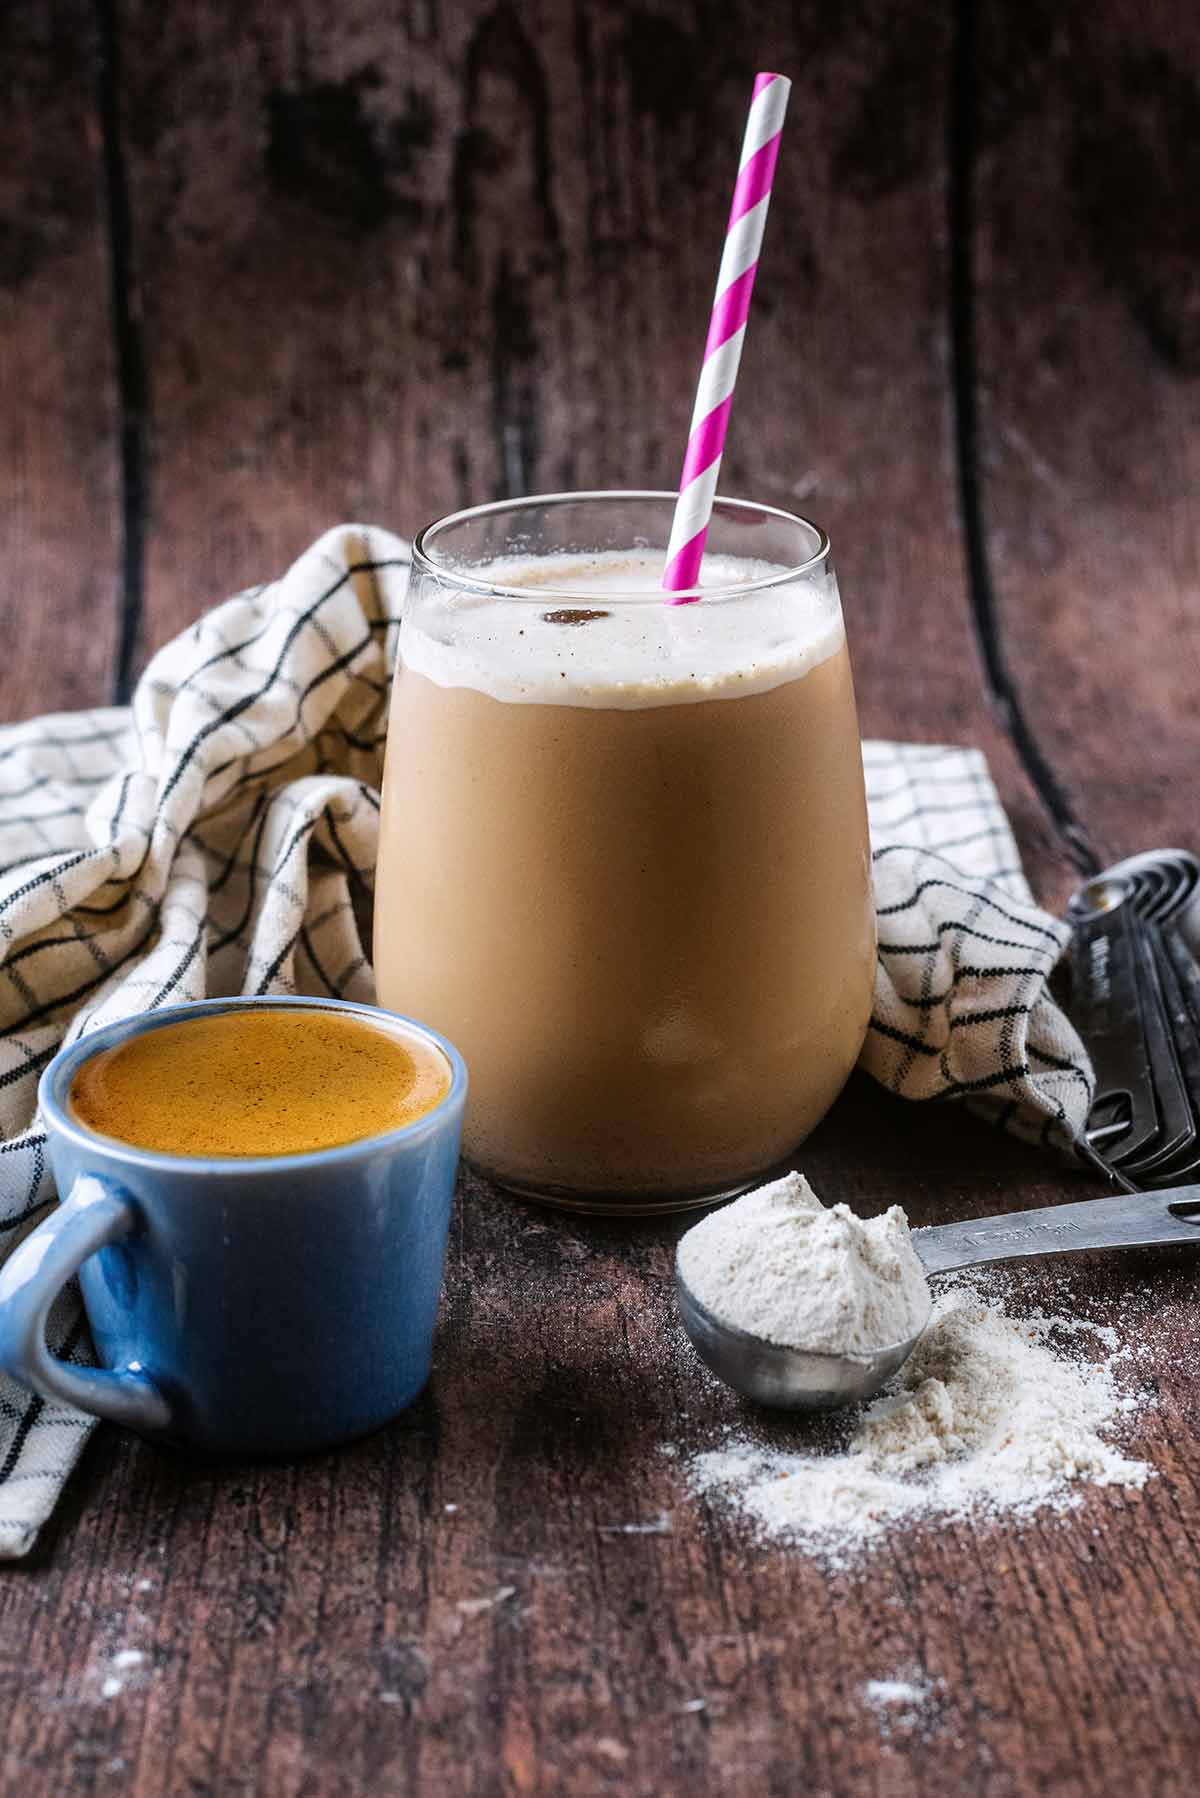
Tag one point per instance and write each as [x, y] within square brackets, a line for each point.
[582, 646]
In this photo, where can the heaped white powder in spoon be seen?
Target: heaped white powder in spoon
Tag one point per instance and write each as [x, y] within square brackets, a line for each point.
[993, 1414]
[779, 1265]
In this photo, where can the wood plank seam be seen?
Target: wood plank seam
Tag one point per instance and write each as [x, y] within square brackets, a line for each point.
[1002, 687]
[129, 354]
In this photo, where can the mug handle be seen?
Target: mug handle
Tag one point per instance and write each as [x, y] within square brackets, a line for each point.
[97, 1211]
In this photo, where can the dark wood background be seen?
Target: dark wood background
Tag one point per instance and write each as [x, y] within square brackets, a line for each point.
[264, 268]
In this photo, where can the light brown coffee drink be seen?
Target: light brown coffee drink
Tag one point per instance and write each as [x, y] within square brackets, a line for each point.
[624, 866]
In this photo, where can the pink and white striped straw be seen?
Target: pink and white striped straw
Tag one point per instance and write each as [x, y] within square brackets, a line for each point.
[726, 334]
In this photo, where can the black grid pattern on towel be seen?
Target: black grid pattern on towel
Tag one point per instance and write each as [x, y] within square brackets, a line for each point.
[219, 836]
[962, 1007]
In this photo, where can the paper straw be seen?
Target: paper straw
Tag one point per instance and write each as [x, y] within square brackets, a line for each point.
[726, 333]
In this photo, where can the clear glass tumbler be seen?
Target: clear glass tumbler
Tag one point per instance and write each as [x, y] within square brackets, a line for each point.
[624, 862]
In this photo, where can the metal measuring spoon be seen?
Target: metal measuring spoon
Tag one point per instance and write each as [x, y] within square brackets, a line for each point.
[799, 1379]
[1135, 991]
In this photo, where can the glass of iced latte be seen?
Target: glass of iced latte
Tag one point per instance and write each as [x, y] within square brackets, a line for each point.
[623, 856]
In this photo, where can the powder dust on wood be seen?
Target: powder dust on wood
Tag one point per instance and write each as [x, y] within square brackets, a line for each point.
[905, 1703]
[994, 1414]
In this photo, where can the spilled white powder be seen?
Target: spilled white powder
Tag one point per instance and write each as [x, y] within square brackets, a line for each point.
[475, 1607]
[780, 1265]
[891, 1694]
[901, 1703]
[992, 1414]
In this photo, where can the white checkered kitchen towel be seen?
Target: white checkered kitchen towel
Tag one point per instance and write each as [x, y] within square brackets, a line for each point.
[219, 837]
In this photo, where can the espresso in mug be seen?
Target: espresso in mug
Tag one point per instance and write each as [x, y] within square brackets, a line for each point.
[259, 1081]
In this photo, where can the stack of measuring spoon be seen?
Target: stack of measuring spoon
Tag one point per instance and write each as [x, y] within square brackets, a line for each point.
[1135, 1000]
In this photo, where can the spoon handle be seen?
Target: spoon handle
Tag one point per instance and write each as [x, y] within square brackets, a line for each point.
[1129, 1220]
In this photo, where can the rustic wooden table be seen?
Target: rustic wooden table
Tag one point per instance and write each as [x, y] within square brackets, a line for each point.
[264, 269]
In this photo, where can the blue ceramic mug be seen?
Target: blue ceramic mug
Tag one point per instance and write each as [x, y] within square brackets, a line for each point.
[264, 1305]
